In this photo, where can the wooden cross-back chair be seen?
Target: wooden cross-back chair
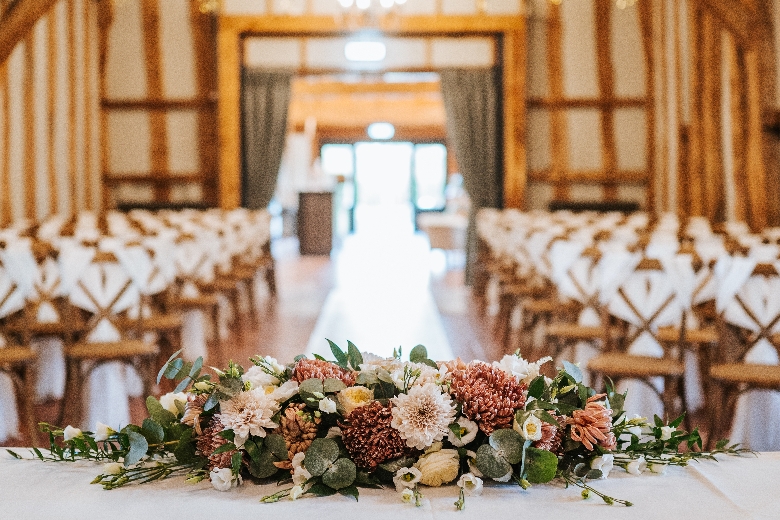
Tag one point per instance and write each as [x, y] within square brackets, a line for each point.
[566, 329]
[105, 336]
[191, 288]
[17, 359]
[732, 372]
[616, 360]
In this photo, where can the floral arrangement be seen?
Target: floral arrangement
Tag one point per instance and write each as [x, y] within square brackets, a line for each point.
[322, 427]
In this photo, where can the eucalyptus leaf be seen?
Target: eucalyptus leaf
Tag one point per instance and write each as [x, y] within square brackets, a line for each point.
[321, 490]
[508, 443]
[138, 448]
[164, 368]
[541, 465]
[387, 470]
[367, 379]
[594, 474]
[263, 466]
[350, 491]
[185, 450]
[333, 385]
[340, 475]
[320, 455]
[196, 367]
[277, 445]
[152, 431]
[491, 463]
[581, 469]
[311, 386]
[418, 354]
[158, 413]
[211, 402]
[183, 384]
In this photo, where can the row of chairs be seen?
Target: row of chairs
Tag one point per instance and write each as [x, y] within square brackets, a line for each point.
[665, 320]
[115, 301]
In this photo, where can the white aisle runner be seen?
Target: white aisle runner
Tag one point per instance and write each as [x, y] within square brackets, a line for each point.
[381, 299]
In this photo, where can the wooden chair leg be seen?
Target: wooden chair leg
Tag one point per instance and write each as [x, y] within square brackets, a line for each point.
[270, 278]
[28, 390]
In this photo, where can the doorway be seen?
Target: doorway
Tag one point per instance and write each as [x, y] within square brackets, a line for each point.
[386, 184]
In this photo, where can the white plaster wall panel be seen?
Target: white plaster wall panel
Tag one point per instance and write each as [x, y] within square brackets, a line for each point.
[404, 53]
[584, 131]
[125, 60]
[289, 7]
[456, 7]
[631, 138]
[238, 7]
[633, 193]
[326, 7]
[133, 193]
[502, 7]
[16, 122]
[539, 195]
[189, 192]
[328, 53]
[418, 7]
[40, 122]
[182, 130]
[61, 120]
[538, 77]
[272, 52]
[128, 142]
[579, 49]
[177, 50]
[628, 56]
[539, 140]
[80, 128]
[586, 191]
[95, 130]
[462, 52]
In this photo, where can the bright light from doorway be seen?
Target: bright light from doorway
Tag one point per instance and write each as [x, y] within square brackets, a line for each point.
[365, 51]
[381, 131]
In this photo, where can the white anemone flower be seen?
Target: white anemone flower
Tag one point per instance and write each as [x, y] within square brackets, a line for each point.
[470, 484]
[468, 432]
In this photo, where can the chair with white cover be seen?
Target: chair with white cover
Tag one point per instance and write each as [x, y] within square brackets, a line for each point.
[642, 303]
[17, 359]
[100, 288]
[745, 373]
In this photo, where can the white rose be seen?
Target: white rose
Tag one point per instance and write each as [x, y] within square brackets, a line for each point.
[519, 368]
[327, 405]
[355, 397]
[112, 468]
[603, 463]
[285, 391]
[440, 467]
[666, 432]
[637, 466]
[168, 401]
[470, 484]
[222, 479]
[103, 431]
[296, 492]
[259, 378]
[406, 478]
[70, 433]
[531, 430]
[468, 431]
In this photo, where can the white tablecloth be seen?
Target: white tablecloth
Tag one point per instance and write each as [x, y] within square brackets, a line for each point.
[744, 487]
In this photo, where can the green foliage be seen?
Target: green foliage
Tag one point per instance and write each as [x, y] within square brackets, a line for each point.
[541, 466]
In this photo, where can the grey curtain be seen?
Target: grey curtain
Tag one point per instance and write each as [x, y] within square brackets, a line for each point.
[472, 102]
[265, 98]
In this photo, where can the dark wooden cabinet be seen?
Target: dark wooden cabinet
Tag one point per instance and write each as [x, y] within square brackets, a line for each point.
[315, 222]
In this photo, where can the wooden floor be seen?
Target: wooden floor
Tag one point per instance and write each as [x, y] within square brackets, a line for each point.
[390, 282]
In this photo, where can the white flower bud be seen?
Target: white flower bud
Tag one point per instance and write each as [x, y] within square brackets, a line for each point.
[327, 405]
[296, 492]
[471, 485]
[103, 431]
[666, 432]
[71, 433]
[112, 468]
[222, 479]
[168, 401]
[604, 463]
[637, 466]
